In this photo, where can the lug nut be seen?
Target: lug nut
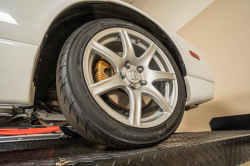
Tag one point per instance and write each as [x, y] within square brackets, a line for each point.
[122, 75]
[127, 65]
[143, 82]
[140, 69]
[132, 86]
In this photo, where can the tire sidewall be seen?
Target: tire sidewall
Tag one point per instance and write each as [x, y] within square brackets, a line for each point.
[89, 108]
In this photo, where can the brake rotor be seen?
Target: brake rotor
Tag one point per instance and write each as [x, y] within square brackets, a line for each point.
[119, 98]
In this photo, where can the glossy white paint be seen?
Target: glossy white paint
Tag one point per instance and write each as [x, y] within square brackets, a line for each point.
[16, 71]
[195, 68]
[26, 21]
[199, 90]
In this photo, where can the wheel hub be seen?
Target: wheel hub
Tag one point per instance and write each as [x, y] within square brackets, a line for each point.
[132, 76]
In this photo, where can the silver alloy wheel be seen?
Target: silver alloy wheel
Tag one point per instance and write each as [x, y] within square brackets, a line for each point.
[132, 74]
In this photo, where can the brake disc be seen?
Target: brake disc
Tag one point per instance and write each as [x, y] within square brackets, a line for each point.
[118, 97]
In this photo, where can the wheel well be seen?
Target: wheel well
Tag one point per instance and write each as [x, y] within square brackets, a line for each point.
[75, 16]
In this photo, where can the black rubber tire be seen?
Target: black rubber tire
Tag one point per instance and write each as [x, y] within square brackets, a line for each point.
[69, 132]
[82, 111]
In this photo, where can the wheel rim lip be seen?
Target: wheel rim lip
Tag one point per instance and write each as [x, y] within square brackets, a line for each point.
[88, 59]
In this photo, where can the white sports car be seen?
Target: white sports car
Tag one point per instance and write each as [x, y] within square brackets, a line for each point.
[103, 67]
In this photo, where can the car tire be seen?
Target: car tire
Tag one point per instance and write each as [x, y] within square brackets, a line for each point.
[87, 116]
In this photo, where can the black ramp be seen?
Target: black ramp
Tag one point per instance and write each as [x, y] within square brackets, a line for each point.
[216, 148]
[237, 122]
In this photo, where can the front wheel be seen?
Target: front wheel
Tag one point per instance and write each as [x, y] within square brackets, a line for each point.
[118, 85]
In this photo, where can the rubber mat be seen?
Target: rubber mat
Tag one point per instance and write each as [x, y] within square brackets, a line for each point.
[203, 148]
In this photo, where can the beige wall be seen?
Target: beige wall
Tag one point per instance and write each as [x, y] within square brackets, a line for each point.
[222, 33]
[172, 13]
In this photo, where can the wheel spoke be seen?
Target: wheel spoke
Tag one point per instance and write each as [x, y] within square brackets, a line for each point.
[152, 92]
[108, 55]
[148, 54]
[106, 85]
[153, 76]
[128, 50]
[167, 90]
[135, 100]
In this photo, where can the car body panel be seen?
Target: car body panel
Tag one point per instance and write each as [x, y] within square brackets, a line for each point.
[17, 61]
[195, 68]
[26, 22]
[199, 90]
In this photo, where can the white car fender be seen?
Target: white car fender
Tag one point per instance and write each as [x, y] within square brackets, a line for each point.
[26, 30]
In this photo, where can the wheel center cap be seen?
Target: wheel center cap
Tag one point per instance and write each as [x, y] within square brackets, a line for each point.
[133, 75]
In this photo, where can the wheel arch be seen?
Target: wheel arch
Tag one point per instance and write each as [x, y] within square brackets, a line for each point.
[75, 16]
